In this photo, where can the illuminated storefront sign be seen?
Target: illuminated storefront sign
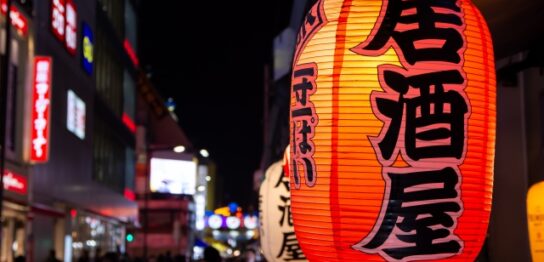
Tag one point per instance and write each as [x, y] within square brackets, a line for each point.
[64, 23]
[88, 47]
[75, 117]
[200, 210]
[71, 27]
[40, 109]
[172, 176]
[15, 183]
[233, 222]
[250, 222]
[57, 18]
[215, 221]
[18, 20]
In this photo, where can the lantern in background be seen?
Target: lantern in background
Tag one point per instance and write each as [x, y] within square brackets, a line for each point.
[535, 215]
[278, 240]
[392, 130]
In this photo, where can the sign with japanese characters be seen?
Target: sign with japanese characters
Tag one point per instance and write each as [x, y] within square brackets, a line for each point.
[278, 239]
[392, 130]
[75, 115]
[15, 183]
[18, 19]
[58, 22]
[64, 23]
[41, 104]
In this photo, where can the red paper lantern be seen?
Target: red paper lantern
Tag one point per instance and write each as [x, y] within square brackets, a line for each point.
[392, 131]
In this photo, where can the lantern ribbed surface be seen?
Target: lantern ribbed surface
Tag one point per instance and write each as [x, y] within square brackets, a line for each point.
[345, 194]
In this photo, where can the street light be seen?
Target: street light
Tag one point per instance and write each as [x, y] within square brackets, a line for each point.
[204, 153]
[179, 149]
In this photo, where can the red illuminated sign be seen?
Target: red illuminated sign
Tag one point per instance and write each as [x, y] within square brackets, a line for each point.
[129, 123]
[131, 53]
[18, 20]
[129, 194]
[15, 183]
[40, 109]
[71, 27]
[57, 18]
[64, 23]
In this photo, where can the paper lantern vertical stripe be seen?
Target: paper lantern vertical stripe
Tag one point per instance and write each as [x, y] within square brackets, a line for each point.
[389, 106]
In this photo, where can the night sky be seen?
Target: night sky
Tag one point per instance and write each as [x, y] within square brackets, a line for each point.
[215, 75]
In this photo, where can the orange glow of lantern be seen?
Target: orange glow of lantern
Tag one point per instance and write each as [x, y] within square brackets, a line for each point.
[392, 131]
[535, 215]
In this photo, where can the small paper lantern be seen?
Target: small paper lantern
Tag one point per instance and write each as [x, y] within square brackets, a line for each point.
[535, 215]
[278, 240]
[392, 130]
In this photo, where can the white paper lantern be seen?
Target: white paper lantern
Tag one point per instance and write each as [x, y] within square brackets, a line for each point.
[278, 240]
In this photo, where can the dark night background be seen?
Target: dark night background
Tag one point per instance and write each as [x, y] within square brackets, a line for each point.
[210, 56]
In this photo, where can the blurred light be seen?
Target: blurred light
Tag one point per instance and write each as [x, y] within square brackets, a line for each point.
[233, 222]
[208, 178]
[130, 237]
[216, 233]
[234, 233]
[179, 149]
[73, 213]
[170, 104]
[250, 222]
[204, 153]
[215, 221]
[201, 188]
[236, 253]
[250, 234]
[14, 246]
[233, 207]
[200, 224]
[91, 243]
[68, 248]
[229, 251]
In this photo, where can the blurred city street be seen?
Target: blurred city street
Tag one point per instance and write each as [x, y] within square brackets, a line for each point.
[281, 130]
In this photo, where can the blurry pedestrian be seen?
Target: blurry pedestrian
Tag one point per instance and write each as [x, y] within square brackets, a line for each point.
[211, 255]
[85, 257]
[180, 258]
[168, 257]
[250, 255]
[52, 257]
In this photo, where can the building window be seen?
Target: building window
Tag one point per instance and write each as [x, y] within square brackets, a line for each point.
[109, 158]
[109, 73]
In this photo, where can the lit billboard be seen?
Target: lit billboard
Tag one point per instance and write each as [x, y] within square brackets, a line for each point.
[172, 176]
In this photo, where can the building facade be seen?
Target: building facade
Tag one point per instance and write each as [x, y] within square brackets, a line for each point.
[70, 127]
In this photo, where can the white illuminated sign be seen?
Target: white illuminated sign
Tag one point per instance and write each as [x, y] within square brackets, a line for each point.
[75, 117]
[233, 222]
[215, 221]
[200, 202]
[71, 27]
[57, 18]
[173, 176]
[250, 222]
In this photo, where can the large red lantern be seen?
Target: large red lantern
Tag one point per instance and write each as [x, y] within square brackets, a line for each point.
[392, 130]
